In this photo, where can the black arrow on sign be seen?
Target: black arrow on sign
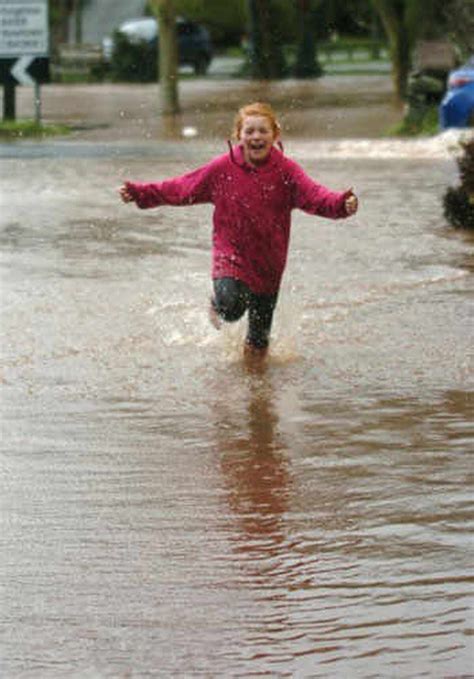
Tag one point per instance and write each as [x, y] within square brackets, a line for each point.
[26, 70]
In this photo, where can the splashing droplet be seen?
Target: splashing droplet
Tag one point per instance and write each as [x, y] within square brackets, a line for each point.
[189, 131]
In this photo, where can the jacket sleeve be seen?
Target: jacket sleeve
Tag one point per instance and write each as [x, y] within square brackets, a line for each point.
[188, 189]
[315, 198]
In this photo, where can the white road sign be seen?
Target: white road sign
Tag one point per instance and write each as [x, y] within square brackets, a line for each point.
[23, 28]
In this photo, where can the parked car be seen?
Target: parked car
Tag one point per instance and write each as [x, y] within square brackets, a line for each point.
[457, 107]
[194, 43]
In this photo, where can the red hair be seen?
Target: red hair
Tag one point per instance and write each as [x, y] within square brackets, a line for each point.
[255, 109]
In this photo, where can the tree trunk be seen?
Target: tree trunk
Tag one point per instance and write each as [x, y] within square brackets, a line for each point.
[77, 16]
[402, 22]
[59, 26]
[401, 63]
[164, 11]
[255, 40]
[307, 65]
[266, 53]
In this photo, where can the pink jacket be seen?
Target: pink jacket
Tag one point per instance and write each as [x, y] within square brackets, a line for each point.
[252, 211]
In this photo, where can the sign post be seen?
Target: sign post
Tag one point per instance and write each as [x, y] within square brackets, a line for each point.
[24, 49]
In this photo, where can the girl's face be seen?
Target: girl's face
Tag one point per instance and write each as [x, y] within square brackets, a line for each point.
[257, 137]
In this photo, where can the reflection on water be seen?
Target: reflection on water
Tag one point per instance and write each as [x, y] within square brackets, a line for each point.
[170, 510]
[331, 532]
[254, 466]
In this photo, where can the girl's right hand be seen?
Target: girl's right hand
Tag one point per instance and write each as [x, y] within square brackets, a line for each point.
[125, 194]
[351, 202]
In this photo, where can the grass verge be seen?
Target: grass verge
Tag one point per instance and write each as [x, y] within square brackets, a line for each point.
[425, 125]
[25, 129]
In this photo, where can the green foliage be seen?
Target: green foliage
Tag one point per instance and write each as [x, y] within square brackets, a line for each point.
[228, 21]
[459, 18]
[407, 21]
[458, 202]
[349, 18]
[133, 62]
[458, 209]
[466, 166]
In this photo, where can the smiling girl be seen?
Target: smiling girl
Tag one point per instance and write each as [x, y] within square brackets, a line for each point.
[254, 187]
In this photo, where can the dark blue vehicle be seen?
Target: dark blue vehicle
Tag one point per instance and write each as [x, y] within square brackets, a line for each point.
[194, 43]
[457, 106]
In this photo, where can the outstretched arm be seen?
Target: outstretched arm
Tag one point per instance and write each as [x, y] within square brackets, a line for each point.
[317, 199]
[188, 189]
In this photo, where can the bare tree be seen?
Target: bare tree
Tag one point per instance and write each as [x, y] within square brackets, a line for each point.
[402, 21]
[59, 14]
[267, 60]
[165, 13]
[307, 65]
[77, 6]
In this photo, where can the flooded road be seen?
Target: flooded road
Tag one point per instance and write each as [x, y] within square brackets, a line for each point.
[168, 511]
[336, 107]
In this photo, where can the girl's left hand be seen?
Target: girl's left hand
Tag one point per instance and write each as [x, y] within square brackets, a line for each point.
[351, 204]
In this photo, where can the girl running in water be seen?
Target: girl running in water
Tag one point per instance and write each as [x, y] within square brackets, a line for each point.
[254, 187]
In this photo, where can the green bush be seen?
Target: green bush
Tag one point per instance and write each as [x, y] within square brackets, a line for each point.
[458, 201]
[133, 62]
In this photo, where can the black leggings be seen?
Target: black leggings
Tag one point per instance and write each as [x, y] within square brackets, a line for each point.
[231, 300]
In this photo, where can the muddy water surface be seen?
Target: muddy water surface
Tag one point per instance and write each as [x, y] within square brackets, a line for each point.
[168, 510]
[335, 106]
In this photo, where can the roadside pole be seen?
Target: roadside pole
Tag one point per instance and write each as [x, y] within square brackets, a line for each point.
[24, 51]
[9, 101]
[37, 103]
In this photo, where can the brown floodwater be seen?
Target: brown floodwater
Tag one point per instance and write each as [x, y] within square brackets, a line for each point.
[336, 107]
[169, 510]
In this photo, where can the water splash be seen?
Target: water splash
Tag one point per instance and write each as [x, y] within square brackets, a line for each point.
[439, 147]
